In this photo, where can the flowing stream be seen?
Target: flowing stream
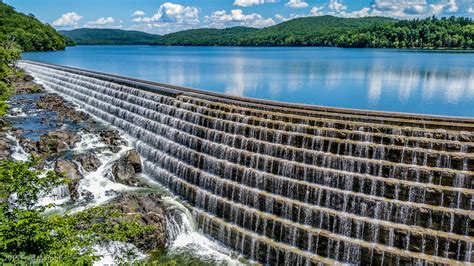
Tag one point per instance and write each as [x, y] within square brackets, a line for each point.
[185, 242]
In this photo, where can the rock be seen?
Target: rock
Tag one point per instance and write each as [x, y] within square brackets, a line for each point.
[4, 149]
[24, 84]
[125, 169]
[17, 131]
[3, 123]
[27, 78]
[29, 145]
[112, 139]
[57, 104]
[87, 196]
[61, 146]
[53, 142]
[89, 162]
[70, 138]
[71, 172]
[28, 88]
[146, 210]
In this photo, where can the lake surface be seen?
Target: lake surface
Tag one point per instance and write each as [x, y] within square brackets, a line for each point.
[378, 79]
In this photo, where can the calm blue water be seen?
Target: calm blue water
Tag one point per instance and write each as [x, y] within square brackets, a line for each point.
[390, 80]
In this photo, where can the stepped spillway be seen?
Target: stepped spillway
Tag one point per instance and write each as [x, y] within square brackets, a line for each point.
[295, 184]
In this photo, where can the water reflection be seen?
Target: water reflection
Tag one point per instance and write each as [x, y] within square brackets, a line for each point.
[436, 83]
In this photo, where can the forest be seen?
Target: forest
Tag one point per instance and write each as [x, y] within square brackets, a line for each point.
[87, 36]
[27, 32]
[368, 32]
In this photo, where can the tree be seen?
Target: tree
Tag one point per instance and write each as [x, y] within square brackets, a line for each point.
[27, 233]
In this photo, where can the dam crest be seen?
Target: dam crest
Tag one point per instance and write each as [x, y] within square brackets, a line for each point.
[291, 184]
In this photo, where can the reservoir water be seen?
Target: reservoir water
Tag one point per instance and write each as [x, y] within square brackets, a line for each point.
[440, 82]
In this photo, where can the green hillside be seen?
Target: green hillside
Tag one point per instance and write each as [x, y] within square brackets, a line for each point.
[27, 31]
[367, 32]
[312, 30]
[206, 37]
[286, 33]
[373, 32]
[109, 37]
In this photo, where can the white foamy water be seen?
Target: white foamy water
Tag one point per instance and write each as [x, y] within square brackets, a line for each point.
[186, 238]
[18, 153]
[88, 142]
[18, 112]
[183, 236]
[97, 184]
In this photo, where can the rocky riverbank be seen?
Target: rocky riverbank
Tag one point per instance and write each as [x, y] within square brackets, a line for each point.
[98, 162]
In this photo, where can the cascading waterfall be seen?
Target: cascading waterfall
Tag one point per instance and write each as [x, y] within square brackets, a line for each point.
[295, 186]
[182, 234]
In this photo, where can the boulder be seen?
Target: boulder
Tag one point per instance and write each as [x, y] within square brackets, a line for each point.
[28, 88]
[57, 104]
[61, 146]
[53, 142]
[29, 145]
[125, 169]
[4, 149]
[70, 171]
[146, 210]
[89, 162]
[24, 84]
[112, 139]
[68, 137]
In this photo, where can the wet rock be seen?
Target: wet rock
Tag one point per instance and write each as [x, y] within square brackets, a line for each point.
[4, 147]
[61, 146]
[70, 171]
[112, 139]
[57, 104]
[125, 169]
[89, 162]
[53, 142]
[29, 145]
[146, 210]
[88, 196]
[3, 123]
[28, 88]
[24, 84]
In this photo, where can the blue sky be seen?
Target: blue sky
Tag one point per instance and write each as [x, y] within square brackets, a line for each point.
[168, 16]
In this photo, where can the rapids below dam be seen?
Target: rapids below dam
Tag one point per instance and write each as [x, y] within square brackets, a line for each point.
[295, 184]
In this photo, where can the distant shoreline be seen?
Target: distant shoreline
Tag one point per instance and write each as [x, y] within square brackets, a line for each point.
[324, 31]
[414, 49]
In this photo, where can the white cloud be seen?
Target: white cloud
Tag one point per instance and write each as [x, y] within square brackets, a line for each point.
[470, 10]
[68, 20]
[246, 3]
[138, 13]
[281, 18]
[417, 8]
[363, 12]
[336, 7]
[102, 22]
[436, 9]
[173, 13]
[397, 8]
[451, 7]
[236, 17]
[317, 11]
[296, 4]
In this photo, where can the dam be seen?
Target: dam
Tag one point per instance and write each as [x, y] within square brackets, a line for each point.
[288, 184]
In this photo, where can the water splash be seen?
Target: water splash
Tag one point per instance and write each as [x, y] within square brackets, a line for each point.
[18, 153]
